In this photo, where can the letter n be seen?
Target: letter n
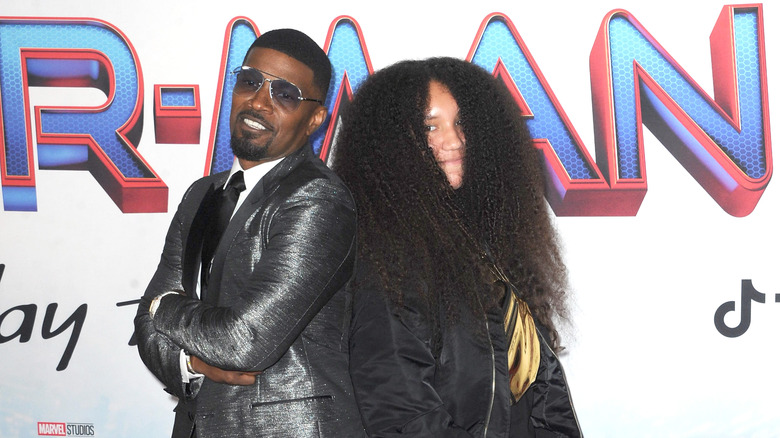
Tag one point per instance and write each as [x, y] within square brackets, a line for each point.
[723, 143]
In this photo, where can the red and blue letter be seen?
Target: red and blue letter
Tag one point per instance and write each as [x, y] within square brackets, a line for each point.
[102, 139]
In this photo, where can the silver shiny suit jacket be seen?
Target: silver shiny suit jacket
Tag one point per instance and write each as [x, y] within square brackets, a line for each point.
[277, 302]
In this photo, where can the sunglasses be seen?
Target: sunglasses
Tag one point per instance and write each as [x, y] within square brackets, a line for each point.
[283, 93]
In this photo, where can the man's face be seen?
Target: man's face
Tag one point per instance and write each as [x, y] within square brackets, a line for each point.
[261, 130]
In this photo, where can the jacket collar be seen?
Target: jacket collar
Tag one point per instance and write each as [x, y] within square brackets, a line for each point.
[278, 173]
[261, 191]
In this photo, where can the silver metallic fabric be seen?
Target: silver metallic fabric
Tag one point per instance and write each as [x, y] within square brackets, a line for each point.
[276, 303]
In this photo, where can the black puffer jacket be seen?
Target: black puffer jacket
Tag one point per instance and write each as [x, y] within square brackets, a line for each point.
[407, 387]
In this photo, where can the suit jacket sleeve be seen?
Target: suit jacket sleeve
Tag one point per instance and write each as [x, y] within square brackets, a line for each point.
[308, 255]
[158, 352]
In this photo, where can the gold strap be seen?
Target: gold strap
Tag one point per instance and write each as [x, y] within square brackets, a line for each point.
[522, 345]
[522, 340]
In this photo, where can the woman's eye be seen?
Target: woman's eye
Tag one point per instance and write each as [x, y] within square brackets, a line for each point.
[429, 128]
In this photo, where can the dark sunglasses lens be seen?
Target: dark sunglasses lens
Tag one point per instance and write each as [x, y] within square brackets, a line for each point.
[285, 94]
[248, 82]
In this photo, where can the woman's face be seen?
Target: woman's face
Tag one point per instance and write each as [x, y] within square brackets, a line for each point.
[445, 136]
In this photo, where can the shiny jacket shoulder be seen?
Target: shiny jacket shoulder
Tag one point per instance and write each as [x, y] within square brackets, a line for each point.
[276, 303]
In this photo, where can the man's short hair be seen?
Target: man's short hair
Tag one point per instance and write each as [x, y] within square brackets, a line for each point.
[300, 47]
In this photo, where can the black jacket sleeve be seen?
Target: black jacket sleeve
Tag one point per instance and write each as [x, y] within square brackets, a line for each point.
[393, 369]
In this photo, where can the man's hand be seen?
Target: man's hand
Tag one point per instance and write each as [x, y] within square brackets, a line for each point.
[222, 376]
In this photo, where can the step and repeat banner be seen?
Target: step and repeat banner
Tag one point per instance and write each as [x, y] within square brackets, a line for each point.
[652, 118]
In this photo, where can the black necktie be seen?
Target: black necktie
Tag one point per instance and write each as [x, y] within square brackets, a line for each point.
[224, 204]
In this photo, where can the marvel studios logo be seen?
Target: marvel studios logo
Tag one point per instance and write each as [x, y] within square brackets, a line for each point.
[65, 429]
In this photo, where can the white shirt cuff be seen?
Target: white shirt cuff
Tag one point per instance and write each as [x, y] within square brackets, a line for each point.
[186, 375]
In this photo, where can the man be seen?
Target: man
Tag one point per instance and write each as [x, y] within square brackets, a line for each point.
[259, 348]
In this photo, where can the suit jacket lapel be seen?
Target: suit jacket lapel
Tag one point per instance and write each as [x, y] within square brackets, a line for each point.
[195, 233]
[253, 202]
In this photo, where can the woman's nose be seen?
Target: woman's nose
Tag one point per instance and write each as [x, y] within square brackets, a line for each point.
[453, 138]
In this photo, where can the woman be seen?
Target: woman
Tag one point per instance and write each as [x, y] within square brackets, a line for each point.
[451, 218]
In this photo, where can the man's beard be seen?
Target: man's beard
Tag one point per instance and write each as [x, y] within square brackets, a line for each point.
[244, 149]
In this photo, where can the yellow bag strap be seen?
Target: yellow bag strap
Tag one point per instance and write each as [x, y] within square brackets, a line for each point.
[522, 345]
[523, 349]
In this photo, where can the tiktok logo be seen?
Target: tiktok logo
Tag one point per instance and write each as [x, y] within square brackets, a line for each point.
[749, 295]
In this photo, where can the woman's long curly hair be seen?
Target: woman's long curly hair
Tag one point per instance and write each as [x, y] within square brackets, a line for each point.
[411, 222]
